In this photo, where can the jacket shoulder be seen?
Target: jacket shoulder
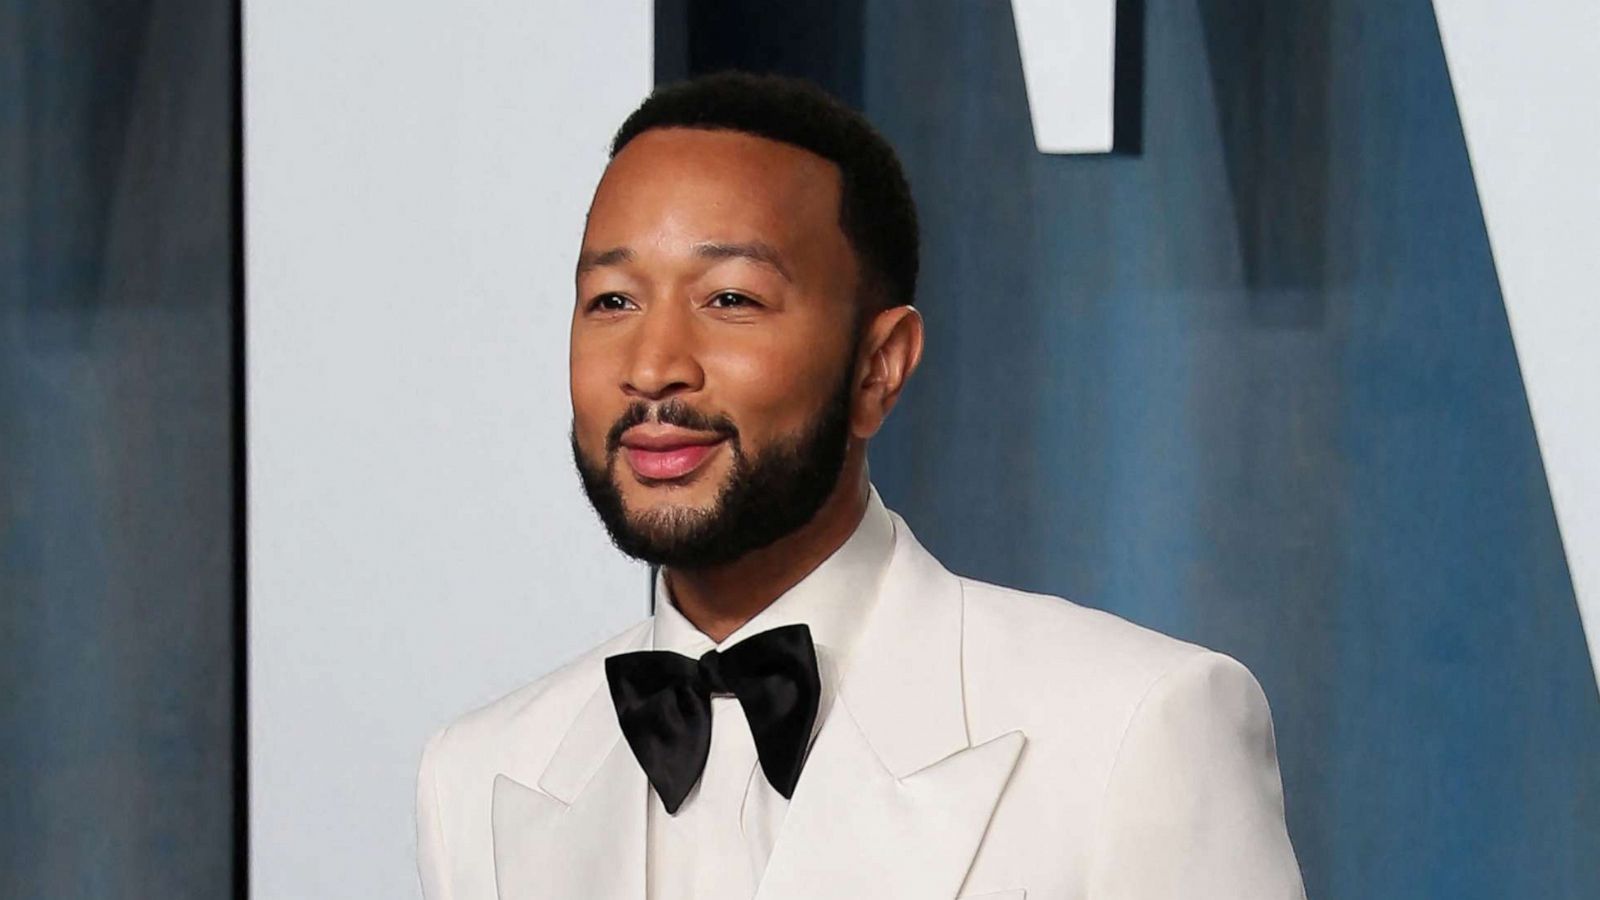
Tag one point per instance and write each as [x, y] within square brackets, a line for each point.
[531, 719]
[1056, 653]
[997, 612]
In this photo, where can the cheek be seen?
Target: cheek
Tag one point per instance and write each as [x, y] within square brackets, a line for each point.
[594, 408]
[771, 390]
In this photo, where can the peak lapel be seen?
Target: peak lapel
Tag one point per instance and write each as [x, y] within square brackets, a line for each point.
[582, 832]
[591, 849]
[894, 798]
[854, 830]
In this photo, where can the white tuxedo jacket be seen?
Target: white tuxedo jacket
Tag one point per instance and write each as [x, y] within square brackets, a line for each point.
[986, 742]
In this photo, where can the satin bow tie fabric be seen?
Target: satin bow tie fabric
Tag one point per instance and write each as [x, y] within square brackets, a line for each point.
[663, 702]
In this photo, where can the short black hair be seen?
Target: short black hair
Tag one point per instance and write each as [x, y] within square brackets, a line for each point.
[876, 212]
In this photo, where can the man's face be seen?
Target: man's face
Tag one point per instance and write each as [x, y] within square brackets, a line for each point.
[712, 344]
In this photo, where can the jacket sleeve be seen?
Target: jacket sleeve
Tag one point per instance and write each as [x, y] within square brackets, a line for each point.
[1193, 806]
[432, 863]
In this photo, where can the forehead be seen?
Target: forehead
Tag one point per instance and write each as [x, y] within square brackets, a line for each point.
[721, 184]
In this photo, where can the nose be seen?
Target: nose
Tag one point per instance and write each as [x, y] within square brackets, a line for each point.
[662, 362]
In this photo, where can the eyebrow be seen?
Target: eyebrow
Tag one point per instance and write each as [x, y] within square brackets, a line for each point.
[758, 252]
[594, 259]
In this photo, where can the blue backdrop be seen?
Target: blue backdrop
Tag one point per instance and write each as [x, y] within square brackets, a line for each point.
[119, 721]
[1255, 387]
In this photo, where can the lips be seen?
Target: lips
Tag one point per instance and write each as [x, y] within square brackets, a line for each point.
[667, 456]
[666, 464]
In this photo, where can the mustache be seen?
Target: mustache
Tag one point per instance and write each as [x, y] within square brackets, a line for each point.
[673, 412]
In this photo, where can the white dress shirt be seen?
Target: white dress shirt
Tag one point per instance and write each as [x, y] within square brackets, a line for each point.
[717, 845]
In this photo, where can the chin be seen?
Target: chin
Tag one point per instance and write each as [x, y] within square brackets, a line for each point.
[698, 496]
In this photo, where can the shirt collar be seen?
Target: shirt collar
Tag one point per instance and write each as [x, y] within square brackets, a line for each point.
[834, 599]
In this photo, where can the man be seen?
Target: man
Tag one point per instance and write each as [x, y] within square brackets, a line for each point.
[818, 708]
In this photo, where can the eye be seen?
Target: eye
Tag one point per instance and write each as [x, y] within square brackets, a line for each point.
[609, 303]
[731, 300]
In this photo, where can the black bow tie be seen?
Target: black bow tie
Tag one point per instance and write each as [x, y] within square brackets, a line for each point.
[663, 702]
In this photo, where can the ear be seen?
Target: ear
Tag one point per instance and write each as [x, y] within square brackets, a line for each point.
[890, 350]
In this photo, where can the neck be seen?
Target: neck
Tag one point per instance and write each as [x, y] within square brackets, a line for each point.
[719, 599]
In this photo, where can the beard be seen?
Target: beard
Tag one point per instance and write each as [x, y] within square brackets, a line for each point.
[764, 497]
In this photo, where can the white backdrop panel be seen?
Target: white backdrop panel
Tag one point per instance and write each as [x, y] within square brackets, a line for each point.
[416, 176]
[1527, 83]
[1068, 51]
